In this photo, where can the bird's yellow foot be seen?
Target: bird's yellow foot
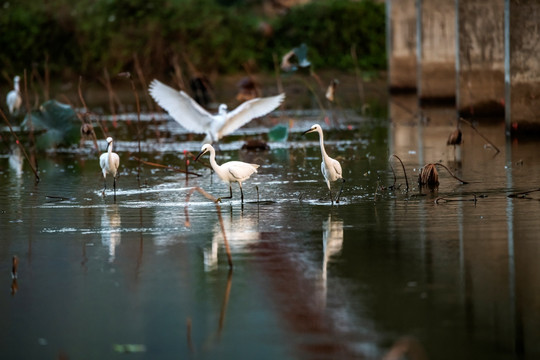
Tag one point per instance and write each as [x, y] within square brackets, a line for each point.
[218, 200]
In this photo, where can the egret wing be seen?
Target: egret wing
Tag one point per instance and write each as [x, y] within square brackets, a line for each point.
[241, 170]
[183, 109]
[337, 167]
[249, 110]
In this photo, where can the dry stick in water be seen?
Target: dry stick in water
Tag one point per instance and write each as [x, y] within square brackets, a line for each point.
[94, 137]
[479, 133]
[149, 103]
[358, 74]
[166, 167]
[218, 209]
[127, 74]
[404, 172]
[33, 159]
[83, 122]
[225, 302]
[19, 144]
[107, 82]
[454, 176]
[189, 338]
[443, 199]
[521, 195]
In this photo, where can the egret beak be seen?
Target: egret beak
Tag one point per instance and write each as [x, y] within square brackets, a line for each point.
[200, 154]
[307, 131]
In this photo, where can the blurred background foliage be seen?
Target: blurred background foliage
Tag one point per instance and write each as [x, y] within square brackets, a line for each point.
[86, 36]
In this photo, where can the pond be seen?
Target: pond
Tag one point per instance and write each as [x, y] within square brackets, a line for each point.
[444, 273]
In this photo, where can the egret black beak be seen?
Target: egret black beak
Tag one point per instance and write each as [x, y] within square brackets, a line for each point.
[307, 131]
[200, 154]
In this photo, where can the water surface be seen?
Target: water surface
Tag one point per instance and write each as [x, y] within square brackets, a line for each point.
[386, 270]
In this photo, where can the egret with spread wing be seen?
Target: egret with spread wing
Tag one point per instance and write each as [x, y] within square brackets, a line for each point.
[188, 113]
[229, 172]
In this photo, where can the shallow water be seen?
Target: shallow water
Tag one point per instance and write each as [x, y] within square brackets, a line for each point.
[382, 272]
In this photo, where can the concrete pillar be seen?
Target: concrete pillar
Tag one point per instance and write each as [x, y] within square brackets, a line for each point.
[401, 44]
[480, 58]
[523, 69]
[436, 50]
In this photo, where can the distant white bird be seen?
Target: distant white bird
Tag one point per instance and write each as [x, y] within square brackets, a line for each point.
[188, 113]
[229, 172]
[13, 98]
[330, 168]
[109, 163]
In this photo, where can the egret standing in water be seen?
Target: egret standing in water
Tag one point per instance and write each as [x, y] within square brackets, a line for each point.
[109, 163]
[188, 113]
[229, 172]
[13, 98]
[330, 168]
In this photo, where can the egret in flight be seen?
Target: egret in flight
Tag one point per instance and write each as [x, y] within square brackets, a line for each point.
[330, 168]
[229, 172]
[13, 98]
[188, 113]
[109, 163]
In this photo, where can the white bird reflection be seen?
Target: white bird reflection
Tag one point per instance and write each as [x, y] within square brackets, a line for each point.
[16, 161]
[110, 229]
[240, 231]
[332, 245]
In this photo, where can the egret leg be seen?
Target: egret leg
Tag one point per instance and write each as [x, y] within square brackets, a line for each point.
[104, 186]
[114, 186]
[340, 189]
[330, 190]
[241, 192]
[226, 197]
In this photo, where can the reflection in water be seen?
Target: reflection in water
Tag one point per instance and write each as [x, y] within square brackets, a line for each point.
[16, 161]
[110, 226]
[332, 244]
[240, 231]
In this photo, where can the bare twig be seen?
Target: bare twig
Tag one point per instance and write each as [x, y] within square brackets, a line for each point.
[479, 133]
[523, 194]
[127, 75]
[445, 200]
[404, 172]
[166, 167]
[451, 174]
[33, 159]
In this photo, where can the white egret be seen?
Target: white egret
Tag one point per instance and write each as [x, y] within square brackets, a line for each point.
[188, 113]
[229, 172]
[109, 163]
[13, 98]
[330, 168]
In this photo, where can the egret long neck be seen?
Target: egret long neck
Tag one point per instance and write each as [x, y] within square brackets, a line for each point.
[16, 86]
[110, 153]
[321, 143]
[213, 162]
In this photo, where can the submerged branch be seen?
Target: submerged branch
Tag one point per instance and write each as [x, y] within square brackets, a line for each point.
[452, 174]
[165, 166]
[404, 172]
[522, 194]
[442, 199]
[479, 133]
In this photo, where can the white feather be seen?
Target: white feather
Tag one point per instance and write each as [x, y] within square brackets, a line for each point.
[188, 113]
